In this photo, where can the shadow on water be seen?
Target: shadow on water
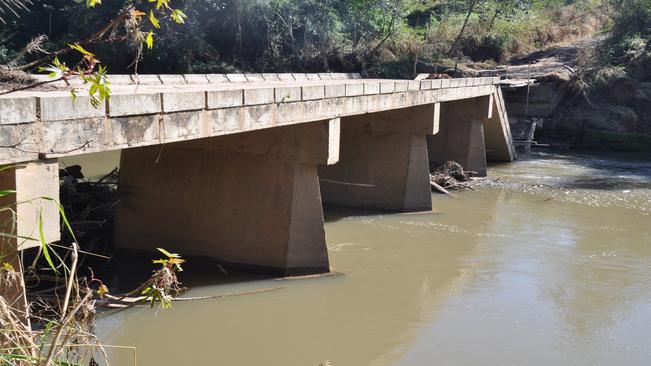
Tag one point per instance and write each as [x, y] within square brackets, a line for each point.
[131, 268]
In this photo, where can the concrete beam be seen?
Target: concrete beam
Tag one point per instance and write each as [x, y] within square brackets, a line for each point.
[383, 161]
[251, 200]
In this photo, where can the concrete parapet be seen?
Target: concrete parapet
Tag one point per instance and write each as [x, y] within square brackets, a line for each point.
[236, 78]
[354, 89]
[299, 77]
[64, 107]
[134, 104]
[183, 101]
[313, 77]
[383, 161]
[286, 77]
[172, 79]
[121, 79]
[146, 79]
[325, 76]
[196, 78]
[250, 200]
[313, 92]
[371, 87]
[401, 86]
[224, 98]
[270, 77]
[257, 78]
[387, 87]
[258, 96]
[217, 78]
[17, 110]
[288, 94]
[335, 90]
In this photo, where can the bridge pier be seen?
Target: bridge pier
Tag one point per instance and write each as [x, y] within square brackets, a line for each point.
[31, 182]
[250, 200]
[383, 161]
[461, 137]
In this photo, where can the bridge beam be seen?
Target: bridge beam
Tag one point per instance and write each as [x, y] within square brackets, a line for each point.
[461, 135]
[383, 161]
[251, 200]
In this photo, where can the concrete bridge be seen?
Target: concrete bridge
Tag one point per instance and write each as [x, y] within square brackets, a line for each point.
[236, 167]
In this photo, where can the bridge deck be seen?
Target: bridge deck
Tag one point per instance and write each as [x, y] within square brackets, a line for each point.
[163, 109]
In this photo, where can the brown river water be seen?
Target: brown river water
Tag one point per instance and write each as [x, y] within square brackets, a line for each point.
[550, 265]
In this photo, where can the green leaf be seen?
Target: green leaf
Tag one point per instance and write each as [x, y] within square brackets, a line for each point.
[79, 48]
[178, 16]
[7, 192]
[150, 40]
[153, 20]
[92, 3]
[168, 254]
[46, 251]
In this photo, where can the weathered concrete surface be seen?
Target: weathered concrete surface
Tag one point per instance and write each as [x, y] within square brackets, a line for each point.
[31, 182]
[461, 136]
[36, 185]
[383, 161]
[497, 132]
[141, 115]
[251, 200]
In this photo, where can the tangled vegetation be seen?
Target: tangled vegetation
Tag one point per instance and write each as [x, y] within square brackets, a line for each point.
[378, 37]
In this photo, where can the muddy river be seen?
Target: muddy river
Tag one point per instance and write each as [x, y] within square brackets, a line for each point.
[549, 265]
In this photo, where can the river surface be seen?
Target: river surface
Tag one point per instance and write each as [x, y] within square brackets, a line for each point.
[549, 265]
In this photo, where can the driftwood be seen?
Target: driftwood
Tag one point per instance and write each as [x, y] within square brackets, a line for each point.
[122, 302]
[450, 176]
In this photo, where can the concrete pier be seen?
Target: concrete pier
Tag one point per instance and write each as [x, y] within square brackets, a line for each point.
[383, 161]
[461, 136]
[250, 200]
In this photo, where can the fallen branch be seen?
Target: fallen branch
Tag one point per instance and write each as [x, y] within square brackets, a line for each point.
[127, 301]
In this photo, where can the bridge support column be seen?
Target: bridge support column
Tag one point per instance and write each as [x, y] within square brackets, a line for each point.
[461, 136]
[251, 200]
[383, 161]
[31, 182]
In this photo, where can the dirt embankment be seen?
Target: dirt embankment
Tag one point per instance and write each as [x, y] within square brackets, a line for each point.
[615, 115]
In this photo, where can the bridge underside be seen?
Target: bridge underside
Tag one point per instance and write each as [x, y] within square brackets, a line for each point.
[254, 200]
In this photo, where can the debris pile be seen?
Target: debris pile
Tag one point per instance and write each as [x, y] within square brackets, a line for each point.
[90, 208]
[449, 176]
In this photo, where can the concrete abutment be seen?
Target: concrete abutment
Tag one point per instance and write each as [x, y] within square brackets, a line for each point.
[32, 205]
